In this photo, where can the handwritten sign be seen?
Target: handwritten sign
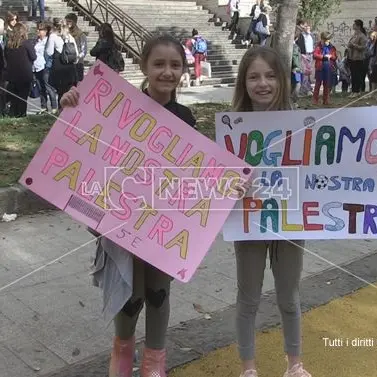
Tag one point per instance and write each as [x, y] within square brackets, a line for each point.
[314, 177]
[130, 169]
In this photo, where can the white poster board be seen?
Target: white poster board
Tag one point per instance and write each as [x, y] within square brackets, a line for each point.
[315, 173]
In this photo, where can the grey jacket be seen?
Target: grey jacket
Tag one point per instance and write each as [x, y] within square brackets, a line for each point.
[112, 270]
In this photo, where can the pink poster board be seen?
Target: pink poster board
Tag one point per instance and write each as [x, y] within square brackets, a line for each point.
[128, 168]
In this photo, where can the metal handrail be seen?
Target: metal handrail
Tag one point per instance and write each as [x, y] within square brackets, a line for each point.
[126, 29]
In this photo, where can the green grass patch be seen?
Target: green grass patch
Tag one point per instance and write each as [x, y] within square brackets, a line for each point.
[20, 138]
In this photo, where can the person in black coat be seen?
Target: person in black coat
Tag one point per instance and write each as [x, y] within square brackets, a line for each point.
[19, 55]
[105, 44]
[106, 49]
[3, 95]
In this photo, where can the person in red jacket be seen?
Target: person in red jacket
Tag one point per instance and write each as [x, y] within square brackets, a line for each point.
[325, 59]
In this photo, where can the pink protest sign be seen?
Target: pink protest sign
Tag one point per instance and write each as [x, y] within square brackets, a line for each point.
[128, 168]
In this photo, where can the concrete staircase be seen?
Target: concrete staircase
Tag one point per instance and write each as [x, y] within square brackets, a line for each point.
[160, 16]
[179, 18]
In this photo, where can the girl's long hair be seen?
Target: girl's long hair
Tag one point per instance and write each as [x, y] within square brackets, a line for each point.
[241, 100]
[106, 32]
[360, 24]
[165, 40]
[18, 36]
[10, 17]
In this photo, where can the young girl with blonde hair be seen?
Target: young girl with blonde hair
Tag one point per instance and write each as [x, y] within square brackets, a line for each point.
[263, 85]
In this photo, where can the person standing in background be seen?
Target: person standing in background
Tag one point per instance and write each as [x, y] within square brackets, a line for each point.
[306, 44]
[345, 72]
[372, 64]
[262, 27]
[254, 14]
[41, 71]
[38, 4]
[199, 50]
[296, 71]
[19, 55]
[2, 70]
[11, 21]
[356, 54]
[234, 13]
[62, 75]
[81, 42]
[325, 57]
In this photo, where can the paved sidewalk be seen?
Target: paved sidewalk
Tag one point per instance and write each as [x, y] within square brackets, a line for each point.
[52, 319]
[186, 96]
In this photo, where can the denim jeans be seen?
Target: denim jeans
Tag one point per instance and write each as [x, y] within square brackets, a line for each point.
[34, 5]
[46, 89]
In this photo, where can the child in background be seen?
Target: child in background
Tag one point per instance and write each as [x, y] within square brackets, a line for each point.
[163, 61]
[335, 74]
[186, 77]
[199, 50]
[296, 74]
[345, 72]
[325, 58]
[262, 86]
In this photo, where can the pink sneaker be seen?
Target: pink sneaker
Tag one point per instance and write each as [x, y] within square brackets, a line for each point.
[122, 357]
[297, 371]
[249, 373]
[153, 364]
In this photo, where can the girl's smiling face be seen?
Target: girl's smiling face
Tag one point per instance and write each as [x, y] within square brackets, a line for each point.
[261, 84]
[13, 22]
[164, 68]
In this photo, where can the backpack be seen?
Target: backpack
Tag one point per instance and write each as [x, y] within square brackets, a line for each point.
[115, 60]
[260, 29]
[201, 45]
[69, 54]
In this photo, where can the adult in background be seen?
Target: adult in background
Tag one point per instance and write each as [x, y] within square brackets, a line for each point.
[254, 14]
[2, 32]
[81, 42]
[372, 67]
[365, 72]
[42, 71]
[106, 49]
[234, 13]
[19, 55]
[62, 75]
[11, 21]
[2, 69]
[356, 55]
[37, 4]
[262, 27]
[306, 44]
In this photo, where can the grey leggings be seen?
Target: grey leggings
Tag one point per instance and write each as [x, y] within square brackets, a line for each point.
[286, 266]
[151, 286]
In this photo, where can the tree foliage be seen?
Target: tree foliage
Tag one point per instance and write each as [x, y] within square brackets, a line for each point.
[316, 11]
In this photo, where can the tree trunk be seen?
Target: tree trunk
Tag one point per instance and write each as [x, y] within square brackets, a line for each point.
[285, 30]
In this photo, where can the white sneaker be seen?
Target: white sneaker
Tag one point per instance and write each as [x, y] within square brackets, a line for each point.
[297, 371]
[249, 373]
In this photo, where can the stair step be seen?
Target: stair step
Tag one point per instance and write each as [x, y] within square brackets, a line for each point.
[157, 17]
